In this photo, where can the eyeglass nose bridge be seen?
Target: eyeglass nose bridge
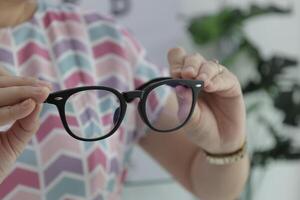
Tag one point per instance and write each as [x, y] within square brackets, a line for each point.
[131, 95]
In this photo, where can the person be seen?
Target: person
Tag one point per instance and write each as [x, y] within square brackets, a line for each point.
[46, 48]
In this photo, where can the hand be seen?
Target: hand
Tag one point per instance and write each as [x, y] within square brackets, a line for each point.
[218, 121]
[20, 105]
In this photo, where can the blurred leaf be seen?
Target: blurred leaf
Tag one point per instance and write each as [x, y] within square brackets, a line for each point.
[255, 11]
[253, 107]
[284, 101]
[269, 70]
[208, 28]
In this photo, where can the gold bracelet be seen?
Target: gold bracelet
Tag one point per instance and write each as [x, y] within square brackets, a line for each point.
[225, 159]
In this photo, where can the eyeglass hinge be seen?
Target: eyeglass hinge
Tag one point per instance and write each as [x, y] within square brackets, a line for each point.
[58, 98]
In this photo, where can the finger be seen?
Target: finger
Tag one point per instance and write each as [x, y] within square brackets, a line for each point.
[16, 94]
[184, 99]
[23, 129]
[29, 123]
[225, 84]
[208, 71]
[7, 81]
[3, 72]
[176, 58]
[191, 66]
[10, 114]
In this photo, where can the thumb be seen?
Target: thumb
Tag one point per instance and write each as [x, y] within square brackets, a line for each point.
[22, 130]
[185, 100]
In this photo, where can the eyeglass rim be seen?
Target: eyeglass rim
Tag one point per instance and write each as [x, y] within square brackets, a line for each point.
[195, 92]
[60, 98]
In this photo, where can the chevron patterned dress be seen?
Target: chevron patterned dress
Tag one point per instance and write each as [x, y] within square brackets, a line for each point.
[69, 48]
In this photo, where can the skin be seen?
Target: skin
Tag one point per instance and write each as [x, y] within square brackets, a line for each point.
[217, 124]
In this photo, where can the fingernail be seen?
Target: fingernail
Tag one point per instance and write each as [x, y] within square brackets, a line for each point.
[189, 69]
[176, 70]
[26, 103]
[44, 84]
[40, 90]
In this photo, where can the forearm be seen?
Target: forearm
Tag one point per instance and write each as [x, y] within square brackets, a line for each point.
[218, 182]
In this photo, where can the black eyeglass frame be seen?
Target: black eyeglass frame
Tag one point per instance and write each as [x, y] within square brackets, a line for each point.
[60, 98]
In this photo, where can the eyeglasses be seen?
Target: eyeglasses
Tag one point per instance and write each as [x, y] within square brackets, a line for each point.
[100, 110]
